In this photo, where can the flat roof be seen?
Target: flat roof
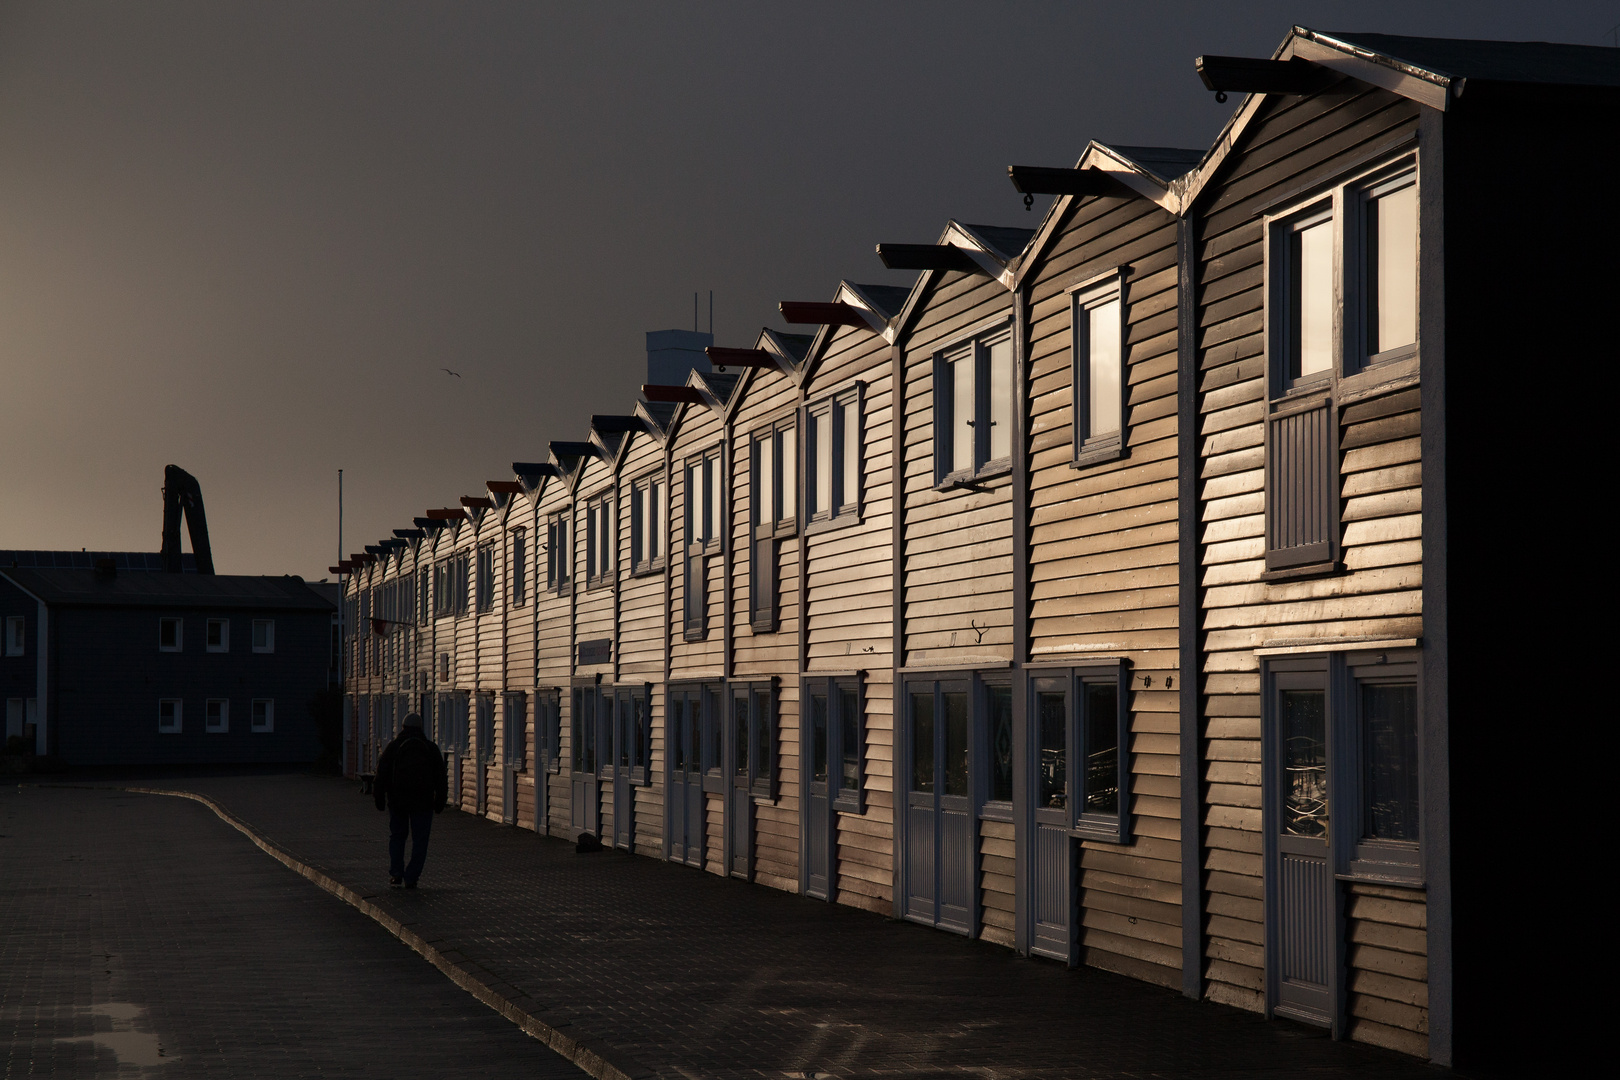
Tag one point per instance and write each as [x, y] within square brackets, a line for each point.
[86, 588]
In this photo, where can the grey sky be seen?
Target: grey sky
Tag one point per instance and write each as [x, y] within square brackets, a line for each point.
[244, 238]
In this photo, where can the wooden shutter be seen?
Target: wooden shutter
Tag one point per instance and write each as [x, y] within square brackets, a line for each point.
[1302, 486]
[762, 584]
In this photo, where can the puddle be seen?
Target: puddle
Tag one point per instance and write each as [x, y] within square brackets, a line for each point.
[131, 1047]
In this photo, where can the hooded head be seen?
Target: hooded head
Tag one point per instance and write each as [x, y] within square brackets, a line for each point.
[413, 720]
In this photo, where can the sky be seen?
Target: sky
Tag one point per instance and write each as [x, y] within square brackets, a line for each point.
[245, 238]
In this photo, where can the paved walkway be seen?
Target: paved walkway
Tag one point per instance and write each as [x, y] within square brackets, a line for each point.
[668, 971]
[142, 936]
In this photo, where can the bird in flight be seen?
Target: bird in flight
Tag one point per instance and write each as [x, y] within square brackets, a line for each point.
[447, 371]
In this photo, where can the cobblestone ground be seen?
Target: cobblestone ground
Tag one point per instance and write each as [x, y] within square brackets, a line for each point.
[142, 936]
[669, 971]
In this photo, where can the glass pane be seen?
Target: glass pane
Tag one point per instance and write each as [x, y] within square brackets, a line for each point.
[739, 705]
[822, 439]
[789, 461]
[1001, 744]
[694, 497]
[922, 741]
[638, 753]
[849, 717]
[1102, 368]
[603, 729]
[1392, 258]
[956, 743]
[764, 742]
[818, 737]
[679, 731]
[654, 520]
[1052, 719]
[852, 456]
[1304, 763]
[1313, 299]
[764, 483]
[1001, 399]
[711, 719]
[711, 497]
[1389, 749]
[1102, 748]
[963, 407]
[627, 730]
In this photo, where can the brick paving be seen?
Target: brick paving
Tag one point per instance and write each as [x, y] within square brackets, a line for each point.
[142, 936]
[668, 971]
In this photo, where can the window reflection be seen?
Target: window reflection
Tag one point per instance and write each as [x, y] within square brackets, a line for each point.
[1304, 763]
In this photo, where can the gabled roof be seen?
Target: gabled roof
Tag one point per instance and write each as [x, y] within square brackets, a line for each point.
[1150, 171]
[1430, 71]
[659, 416]
[86, 588]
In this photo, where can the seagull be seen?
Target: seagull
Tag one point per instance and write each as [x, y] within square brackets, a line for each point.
[447, 371]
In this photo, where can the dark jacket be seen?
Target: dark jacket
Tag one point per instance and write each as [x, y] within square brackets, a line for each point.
[405, 801]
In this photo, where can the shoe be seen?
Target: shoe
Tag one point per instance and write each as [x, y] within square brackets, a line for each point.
[394, 882]
[410, 884]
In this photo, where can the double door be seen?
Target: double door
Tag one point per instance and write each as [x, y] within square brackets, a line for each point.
[939, 813]
[612, 736]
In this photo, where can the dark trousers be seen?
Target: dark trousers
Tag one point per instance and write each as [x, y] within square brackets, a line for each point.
[417, 824]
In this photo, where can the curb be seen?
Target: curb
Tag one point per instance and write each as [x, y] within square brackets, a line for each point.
[572, 1049]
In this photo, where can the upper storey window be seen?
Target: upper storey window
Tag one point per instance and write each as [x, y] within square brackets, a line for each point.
[1389, 233]
[599, 541]
[833, 457]
[647, 523]
[973, 400]
[1097, 318]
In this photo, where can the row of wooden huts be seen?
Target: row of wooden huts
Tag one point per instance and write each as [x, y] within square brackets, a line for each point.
[1097, 596]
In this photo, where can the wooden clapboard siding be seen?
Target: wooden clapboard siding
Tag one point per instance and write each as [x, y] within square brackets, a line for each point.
[699, 429]
[714, 833]
[1386, 961]
[593, 604]
[518, 662]
[768, 397]
[525, 803]
[1294, 146]
[1103, 571]
[956, 546]
[849, 582]
[998, 873]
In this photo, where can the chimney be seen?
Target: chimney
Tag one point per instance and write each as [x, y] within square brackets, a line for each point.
[673, 353]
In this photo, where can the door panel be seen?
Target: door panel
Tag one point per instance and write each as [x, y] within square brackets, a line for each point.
[956, 831]
[921, 816]
[684, 795]
[1305, 963]
[1052, 872]
[817, 801]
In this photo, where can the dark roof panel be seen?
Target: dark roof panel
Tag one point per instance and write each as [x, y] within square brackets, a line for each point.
[86, 588]
[1167, 162]
[1496, 61]
[889, 299]
[86, 560]
[1009, 242]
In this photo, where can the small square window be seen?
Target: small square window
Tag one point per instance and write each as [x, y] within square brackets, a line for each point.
[218, 635]
[14, 635]
[264, 635]
[218, 715]
[170, 714]
[264, 714]
[171, 636]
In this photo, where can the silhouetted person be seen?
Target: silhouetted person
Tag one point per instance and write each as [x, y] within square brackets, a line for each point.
[411, 784]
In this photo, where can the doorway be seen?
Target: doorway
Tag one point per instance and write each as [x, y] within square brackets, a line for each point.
[939, 815]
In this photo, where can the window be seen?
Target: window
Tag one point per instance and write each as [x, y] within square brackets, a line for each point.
[1342, 307]
[171, 636]
[1080, 725]
[423, 598]
[582, 730]
[264, 635]
[515, 730]
[520, 567]
[703, 497]
[559, 555]
[548, 730]
[753, 719]
[832, 489]
[170, 714]
[647, 510]
[486, 577]
[836, 738]
[454, 719]
[999, 749]
[217, 715]
[484, 713]
[773, 501]
[1097, 320]
[599, 541]
[264, 714]
[451, 580]
[1385, 743]
[14, 635]
[444, 667]
[632, 741]
[973, 403]
[217, 635]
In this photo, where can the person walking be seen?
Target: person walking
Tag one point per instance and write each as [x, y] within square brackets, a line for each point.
[412, 787]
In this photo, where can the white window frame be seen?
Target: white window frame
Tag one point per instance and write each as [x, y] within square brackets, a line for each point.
[649, 499]
[224, 643]
[559, 551]
[975, 348]
[599, 539]
[177, 722]
[269, 628]
[484, 577]
[708, 467]
[224, 724]
[179, 625]
[1093, 447]
[16, 635]
[832, 444]
[269, 712]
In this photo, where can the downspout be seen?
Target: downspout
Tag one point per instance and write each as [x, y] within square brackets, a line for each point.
[1022, 806]
[1188, 595]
